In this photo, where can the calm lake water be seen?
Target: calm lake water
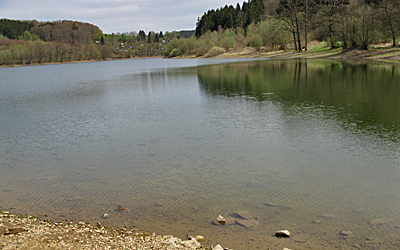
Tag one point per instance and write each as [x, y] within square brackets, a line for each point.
[311, 146]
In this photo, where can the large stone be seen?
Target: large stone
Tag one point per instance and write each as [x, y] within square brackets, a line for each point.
[247, 223]
[221, 220]
[218, 247]
[283, 234]
[244, 215]
[380, 221]
[199, 238]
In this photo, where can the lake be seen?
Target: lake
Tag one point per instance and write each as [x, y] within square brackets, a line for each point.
[311, 146]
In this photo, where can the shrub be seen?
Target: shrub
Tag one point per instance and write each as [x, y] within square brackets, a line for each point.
[227, 42]
[256, 42]
[215, 51]
[175, 52]
[174, 44]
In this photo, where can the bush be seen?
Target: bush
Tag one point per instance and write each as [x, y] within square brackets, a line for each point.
[227, 42]
[174, 44]
[256, 42]
[175, 52]
[215, 51]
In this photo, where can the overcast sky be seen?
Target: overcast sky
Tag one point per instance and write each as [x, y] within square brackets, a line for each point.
[115, 15]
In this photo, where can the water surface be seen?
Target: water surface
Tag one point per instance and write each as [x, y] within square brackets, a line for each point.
[311, 146]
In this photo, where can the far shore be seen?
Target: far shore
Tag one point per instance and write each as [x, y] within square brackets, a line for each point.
[81, 61]
[382, 54]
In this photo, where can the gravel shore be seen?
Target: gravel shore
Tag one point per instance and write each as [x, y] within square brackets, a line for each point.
[29, 232]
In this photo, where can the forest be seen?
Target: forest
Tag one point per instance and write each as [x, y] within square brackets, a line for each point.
[34, 42]
[292, 25]
[346, 23]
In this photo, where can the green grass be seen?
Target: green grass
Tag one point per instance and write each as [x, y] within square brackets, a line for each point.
[320, 48]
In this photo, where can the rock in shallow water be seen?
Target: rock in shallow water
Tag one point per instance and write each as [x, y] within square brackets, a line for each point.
[283, 234]
[221, 220]
[346, 233]
[380, 221]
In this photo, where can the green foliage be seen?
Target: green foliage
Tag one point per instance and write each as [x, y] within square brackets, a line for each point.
[228, 41]
[141, 35]
[150, 37]
[13, 28]
[203, 45]
[215, 51]
[27, 36]
[256, 42]
[274, 33]
[174, 44]
[175, 52]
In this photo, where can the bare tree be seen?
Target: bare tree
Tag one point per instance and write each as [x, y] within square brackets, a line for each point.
[389, 11]
[289, 11]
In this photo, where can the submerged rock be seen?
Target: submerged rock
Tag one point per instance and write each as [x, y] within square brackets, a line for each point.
[380, 221]
[271, 204]
[106, 216]
[283, 234]
[244, 215]
[346, 233]
[247, 223]
[230, 221]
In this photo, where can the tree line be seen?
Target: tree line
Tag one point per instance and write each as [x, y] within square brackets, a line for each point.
[230, 17]
[30, 42]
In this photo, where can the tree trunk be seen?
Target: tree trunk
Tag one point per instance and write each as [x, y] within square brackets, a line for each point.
[298, 34]
[305, 24]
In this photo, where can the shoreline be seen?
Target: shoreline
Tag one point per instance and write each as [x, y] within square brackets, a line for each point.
[378, 54]
[387, 55]
[82, 61]
[30, 232]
